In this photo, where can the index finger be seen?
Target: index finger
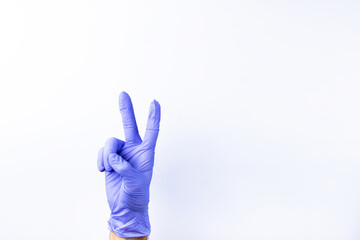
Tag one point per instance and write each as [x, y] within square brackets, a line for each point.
[128, 118]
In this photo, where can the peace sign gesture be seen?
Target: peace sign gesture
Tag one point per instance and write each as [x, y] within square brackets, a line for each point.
[128, 170]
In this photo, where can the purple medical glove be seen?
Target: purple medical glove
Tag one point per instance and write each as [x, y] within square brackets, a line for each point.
[128, 170]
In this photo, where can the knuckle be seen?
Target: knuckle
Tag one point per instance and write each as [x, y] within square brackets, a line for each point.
[111, 139]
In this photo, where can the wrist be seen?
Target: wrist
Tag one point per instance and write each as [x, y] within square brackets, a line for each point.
[113, 236]
[126, 223]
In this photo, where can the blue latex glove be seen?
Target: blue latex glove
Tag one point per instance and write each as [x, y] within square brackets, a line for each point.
[128, 170]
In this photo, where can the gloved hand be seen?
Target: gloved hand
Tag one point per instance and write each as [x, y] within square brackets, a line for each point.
[128, 170]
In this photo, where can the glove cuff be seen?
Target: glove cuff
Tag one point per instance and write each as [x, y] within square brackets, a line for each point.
[130, 224]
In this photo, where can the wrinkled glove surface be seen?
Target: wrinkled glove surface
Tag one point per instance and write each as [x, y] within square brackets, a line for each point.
[128, 167]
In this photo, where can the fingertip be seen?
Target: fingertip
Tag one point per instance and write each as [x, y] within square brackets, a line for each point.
[123, 93]
[156, 105]
[113, 158]
[123, 97]
[118, 164]
[156, 102]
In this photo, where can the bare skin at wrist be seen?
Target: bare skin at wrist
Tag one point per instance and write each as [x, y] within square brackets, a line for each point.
[115, 237]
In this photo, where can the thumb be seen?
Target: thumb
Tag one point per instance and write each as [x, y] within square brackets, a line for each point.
[120, 165]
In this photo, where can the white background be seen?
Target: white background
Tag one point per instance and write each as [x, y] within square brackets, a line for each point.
[260, 126]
